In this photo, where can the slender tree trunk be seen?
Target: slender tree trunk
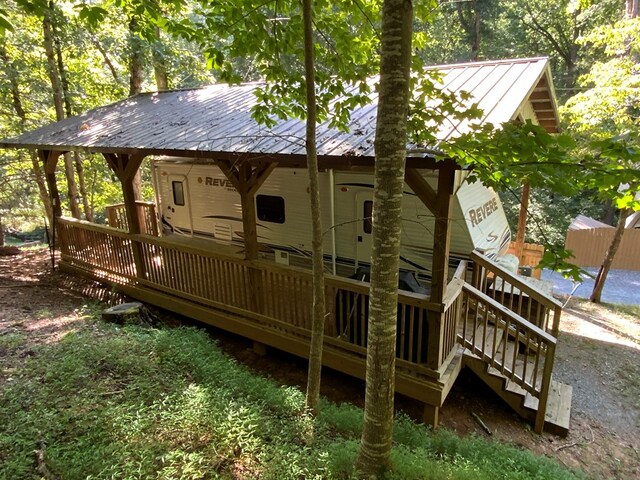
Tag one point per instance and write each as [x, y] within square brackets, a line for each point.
[88, 211]
[136, 59]
[105, 57]
[596, 294]
[390, 145]
[475, 44]
[471, 26]
[16, 98]
[159, 63]
[66, 95]
[317, 330]
[56, 87]
[136, 63]
[1, 233]
[64, 81]
[632, 10]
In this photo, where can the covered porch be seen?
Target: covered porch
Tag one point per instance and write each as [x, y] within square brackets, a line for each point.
[505, 334]
[482, 316]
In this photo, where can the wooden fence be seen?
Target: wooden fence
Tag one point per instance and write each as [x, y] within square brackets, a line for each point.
[530, 256]
[117, 217]
[590, 245]
[274, 296]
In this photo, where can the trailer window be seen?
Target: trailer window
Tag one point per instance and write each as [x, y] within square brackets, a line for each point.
[270, 208]
[367, 217]
[178, 193]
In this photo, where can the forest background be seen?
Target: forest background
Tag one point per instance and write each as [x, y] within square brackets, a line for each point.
[60, 58]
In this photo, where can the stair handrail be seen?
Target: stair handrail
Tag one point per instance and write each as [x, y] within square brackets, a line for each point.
[514, 323]
[540, 296]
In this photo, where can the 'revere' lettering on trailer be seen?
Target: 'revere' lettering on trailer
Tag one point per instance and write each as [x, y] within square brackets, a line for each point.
[477, 215]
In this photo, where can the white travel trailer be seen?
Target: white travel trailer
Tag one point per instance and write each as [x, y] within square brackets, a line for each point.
[196, 199]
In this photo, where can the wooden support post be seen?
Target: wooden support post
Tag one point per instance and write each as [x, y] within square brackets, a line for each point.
[125, 167]
[522, 221]
[431, 415]
[247, 180]
[248, 200]
[440, 264]
[259, 348]
[442, 232]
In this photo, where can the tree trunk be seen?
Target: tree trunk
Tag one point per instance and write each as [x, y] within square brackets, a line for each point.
[66, 95]
[136, 59]
[159, 63]
[475, 44]
[390, 146]
[56, 86]
[1, 233]
[16, 98]
[317, 330]
[88, 211]
[631, 11]
[105, 57]
[136, 62]
[471, 26]
[596, 294]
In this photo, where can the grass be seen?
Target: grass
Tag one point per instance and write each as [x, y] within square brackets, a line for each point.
[130, 403]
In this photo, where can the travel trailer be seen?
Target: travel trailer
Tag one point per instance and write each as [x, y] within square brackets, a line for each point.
[196, 199]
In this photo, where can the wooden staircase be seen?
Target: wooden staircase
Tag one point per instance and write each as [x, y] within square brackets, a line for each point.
[512, 354]
[558, 408]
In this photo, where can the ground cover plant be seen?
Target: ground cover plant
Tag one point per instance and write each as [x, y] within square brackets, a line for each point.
[134, 402]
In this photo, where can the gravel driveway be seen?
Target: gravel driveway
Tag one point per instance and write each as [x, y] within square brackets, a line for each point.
[621, 286]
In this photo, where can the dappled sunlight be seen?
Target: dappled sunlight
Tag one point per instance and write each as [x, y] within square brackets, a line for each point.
[602, 326]
[52, 329]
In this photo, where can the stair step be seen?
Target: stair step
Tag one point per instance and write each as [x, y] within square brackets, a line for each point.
[485, 341]
[558, 412]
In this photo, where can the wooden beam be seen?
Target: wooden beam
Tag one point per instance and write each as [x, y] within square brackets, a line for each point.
[230, 172]
[442, 234]
[539, 94]
[132, 165]
[421, 188]
[259, 175]
[125, 166]
[247, 180]
[134, 222]
[522, 220]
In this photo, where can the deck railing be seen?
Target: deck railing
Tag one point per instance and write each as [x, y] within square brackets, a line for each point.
[516, 294]
[117, 217]
[275, 296]
[519, 350]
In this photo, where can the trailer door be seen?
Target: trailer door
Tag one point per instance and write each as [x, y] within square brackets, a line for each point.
[178, 209]
[364, 222]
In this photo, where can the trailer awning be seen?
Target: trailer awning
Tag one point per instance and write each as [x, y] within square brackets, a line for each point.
[215, 121]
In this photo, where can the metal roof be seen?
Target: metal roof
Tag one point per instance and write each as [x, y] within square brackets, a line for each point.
[216, 120]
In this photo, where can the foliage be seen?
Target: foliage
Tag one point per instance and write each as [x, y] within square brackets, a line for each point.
[610, 105]
[130, 402]
[549, 225]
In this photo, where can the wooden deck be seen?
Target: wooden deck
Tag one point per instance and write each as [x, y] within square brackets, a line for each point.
[272, 304]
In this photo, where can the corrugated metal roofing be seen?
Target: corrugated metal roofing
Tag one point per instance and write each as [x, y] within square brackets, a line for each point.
[218, 119]
[582, 222]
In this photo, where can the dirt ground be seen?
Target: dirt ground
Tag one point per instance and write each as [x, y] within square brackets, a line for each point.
[598, 353]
